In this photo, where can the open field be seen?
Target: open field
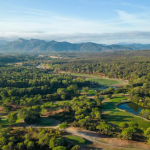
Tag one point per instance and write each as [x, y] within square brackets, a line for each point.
[101, 80]
[113, 115]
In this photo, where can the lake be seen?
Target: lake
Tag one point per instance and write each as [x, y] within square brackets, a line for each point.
[131, 107]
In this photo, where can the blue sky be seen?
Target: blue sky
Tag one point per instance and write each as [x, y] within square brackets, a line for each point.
[76, 21]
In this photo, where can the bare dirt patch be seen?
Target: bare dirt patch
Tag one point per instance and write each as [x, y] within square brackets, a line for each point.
[54, 57]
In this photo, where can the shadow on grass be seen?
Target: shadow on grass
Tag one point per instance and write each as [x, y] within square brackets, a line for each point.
[47, 121]
[116, 118]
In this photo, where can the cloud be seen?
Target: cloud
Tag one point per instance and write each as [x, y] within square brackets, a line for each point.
[47, 25]
[133, 19]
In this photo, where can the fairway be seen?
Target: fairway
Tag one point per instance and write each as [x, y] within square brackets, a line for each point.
[101, 80]
[113, 115]
[76, 139]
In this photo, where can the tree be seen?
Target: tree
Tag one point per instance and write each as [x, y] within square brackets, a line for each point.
[76, 147]
[133, 124]
[123, 125]
[82, 122]
[10, 145]
[12, 117]
[97, 99]
[63, 97]
[20, 146]
[30, 145]
[46, 139]
[5, 147]
[88, 118]
[85, 89]
[97, 115]
[27, 136]
[103, 127]
[26, 141]
[59, 148]
[2, 141]
[147, 133]
[127, 133]
[12, 139]
[63, 125]
[54, 142]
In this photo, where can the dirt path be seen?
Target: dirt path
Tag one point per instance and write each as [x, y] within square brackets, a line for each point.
[102, 141]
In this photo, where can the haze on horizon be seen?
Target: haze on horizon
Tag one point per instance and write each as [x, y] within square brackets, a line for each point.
[99, 21]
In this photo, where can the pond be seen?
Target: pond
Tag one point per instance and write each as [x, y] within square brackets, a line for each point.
[131, 107]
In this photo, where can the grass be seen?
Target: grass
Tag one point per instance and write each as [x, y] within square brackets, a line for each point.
[113, 115]
[4, 121]
[101, 80]
[90, 92]
[76, 139]
[105, 82]
[46, 121]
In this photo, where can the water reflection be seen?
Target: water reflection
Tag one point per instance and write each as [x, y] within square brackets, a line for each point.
[131, 107]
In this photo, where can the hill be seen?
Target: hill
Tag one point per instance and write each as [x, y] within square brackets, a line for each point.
[2, 42]
[35, 45]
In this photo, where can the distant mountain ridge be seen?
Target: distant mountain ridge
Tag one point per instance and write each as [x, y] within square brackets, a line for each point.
[137, 46]
[2, 42]
[35, 45]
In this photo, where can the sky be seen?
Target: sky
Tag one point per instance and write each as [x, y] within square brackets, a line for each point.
[76, 21]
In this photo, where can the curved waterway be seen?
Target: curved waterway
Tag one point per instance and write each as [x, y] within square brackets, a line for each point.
[131, 107]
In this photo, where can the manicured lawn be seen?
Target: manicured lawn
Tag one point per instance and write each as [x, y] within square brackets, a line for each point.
[112, 115]
[76, 139]
[101, 80]
[105, 82]
[90, 92]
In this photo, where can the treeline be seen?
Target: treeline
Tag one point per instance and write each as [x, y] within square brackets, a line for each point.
[33, 139]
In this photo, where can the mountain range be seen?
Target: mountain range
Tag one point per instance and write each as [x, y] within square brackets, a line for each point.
[35, 45]
[2, 42]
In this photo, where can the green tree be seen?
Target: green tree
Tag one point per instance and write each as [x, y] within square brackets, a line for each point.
[30, 145]
[85, 89]
[54, 142]
[12, 139]
[82, 122]
[10, 145]
[3, 141]
[98, 101]
[127, 133]
[5, 147]
[103, 127]
[20, 146]
[76, 147]
[27, 136]
[26, 142]
[63, 126]
[63, 97]
[12, 117]
[147, 133]
[123, 125]
[59, 148]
